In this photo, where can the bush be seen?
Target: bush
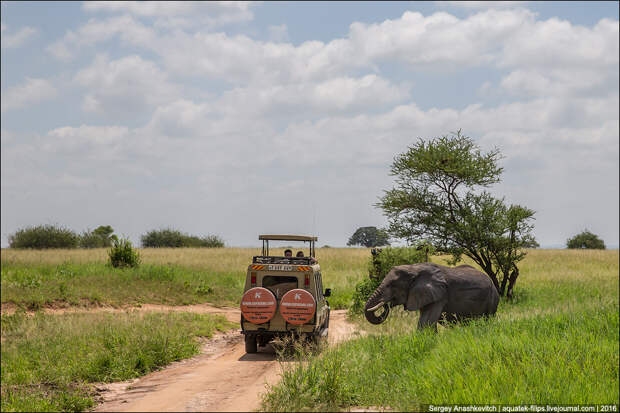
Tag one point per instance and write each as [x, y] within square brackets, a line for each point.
[170, 238]
[122, 254]
[44, 236]
[101, 237]
[210, 241]
[379, 266]
[586, 240]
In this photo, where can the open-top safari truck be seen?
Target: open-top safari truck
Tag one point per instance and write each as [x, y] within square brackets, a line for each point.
[283, 296]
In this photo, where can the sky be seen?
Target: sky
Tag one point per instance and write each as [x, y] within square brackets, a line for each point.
[242, 118]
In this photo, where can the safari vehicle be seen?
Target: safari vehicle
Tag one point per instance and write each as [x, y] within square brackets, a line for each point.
[283, 296]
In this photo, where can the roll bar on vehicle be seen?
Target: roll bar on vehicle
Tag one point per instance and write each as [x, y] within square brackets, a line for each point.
[304, 238]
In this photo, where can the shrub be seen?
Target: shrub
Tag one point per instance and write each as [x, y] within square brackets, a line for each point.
[122, 254]
[210, 241]
[162, 238]
[170, 238]
[100, 237]
[44, 236]
[379, 266]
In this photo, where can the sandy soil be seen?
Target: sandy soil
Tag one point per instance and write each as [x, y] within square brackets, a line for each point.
[222, 378]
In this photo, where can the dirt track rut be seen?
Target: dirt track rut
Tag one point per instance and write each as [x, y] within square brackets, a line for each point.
[222, 378]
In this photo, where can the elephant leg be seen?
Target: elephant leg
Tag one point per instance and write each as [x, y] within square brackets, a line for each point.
[430, 314]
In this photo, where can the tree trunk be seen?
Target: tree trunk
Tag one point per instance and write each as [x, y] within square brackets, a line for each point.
[513, 279]
[502, 288]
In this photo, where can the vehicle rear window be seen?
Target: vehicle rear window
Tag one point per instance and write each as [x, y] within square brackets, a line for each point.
[279, 285]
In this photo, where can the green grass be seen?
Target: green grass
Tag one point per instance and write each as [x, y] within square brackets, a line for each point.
[48, 361]
[173, 276]
[40, 285]
[556, 342]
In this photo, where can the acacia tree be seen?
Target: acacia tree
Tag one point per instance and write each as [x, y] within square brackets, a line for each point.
[436, 197]
[586, 240]
[369, 237]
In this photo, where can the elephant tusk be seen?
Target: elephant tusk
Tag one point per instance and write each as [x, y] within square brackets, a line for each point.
[375, 307]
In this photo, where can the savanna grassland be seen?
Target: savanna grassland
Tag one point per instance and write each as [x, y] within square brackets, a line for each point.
[33, 279]
[555, 342]
[49, 361]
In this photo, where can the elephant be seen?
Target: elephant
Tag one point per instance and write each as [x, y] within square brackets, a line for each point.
[442, 294]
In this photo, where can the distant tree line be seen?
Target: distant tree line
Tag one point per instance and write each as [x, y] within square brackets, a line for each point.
[56, 236]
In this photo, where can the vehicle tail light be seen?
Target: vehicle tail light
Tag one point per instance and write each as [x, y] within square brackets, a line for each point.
[253, 279]
[307, 281]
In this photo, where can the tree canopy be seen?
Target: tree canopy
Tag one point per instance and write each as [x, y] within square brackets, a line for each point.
[437, 197]
[586, 240]
[369, 237]
[100, 237]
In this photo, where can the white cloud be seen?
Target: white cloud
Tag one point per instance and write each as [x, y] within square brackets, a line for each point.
[341, 156]
[481, 4]
[85, 142]
[179, 14]
[124, 87]
[17, 39]
[99, 135]
[31, 91]
[306, 99]
[548, 54]
[554, 57]
[272, 117]
[441, 39]
[95, 31]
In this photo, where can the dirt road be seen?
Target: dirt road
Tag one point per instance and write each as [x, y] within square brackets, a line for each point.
[231, 314]
[222, 378]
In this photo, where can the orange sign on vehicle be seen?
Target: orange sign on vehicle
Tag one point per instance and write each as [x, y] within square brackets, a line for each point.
[297, 306]
[258, 305]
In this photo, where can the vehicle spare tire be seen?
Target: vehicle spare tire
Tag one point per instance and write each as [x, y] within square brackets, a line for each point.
[297, 306]
[258, 305]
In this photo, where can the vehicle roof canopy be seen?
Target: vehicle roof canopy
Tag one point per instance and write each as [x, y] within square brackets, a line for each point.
[287, 238]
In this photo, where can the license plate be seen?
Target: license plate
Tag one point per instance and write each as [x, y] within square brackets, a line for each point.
[280, 267]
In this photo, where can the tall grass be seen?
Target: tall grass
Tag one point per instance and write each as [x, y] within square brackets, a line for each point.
[174, 276]
[47, 361]
[555, 342]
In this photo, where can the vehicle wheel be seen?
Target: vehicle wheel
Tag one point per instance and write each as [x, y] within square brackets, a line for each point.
[250, 344]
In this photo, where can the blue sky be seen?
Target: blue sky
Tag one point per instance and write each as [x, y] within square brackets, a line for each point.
[242, 118]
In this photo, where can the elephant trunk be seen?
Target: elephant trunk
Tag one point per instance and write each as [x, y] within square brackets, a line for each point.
[374, 303]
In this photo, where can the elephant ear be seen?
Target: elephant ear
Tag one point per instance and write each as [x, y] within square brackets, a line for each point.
[428, 287]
